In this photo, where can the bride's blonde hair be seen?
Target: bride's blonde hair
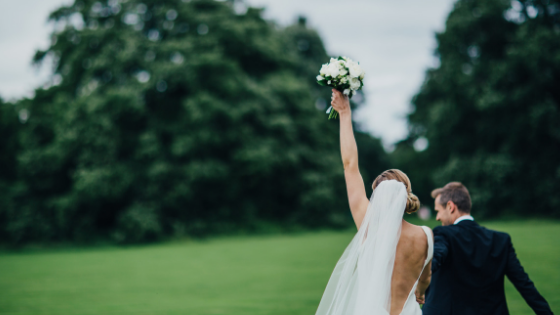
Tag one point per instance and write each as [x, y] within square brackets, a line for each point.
[413, 203]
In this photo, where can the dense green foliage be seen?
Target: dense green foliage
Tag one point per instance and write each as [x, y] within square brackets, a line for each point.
[274, 275]
[169, 118]
[491, 109]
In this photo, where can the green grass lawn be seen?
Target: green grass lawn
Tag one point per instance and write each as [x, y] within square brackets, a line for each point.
[243, 275]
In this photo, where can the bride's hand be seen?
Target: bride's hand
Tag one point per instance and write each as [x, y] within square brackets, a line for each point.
[340, 102]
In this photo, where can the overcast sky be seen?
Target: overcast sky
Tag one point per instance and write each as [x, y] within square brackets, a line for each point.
[392, 40]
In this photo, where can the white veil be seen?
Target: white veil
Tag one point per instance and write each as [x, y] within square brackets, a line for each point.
[361, 281]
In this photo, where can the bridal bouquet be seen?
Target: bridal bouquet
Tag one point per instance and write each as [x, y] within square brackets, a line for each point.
[343, 74]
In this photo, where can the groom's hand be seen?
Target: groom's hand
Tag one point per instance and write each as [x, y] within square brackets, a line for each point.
[420, 298]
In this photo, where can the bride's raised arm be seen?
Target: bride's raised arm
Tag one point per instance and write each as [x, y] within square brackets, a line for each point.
[349, 150]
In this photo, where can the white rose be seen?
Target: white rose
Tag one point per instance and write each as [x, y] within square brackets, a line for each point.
[355, 69]
[333, 70]
[355, 84]
[344, 80]
[329, 82]
[320, 78]
[362, 75]
[323, 70]
[346, 92]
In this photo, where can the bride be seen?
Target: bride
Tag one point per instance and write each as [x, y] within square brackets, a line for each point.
[386, 267]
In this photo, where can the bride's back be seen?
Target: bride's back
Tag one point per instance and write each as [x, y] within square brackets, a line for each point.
[380, 264]
[411, 254]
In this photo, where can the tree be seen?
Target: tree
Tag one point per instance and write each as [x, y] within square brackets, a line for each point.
[8, 149]
[491, 110]
[170, 118]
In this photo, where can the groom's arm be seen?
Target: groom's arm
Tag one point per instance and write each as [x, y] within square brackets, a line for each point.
[517, 275]
[441, 249]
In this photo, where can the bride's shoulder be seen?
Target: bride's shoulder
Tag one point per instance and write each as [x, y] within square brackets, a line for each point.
[418, 231]
[418, 237]
[418, 228]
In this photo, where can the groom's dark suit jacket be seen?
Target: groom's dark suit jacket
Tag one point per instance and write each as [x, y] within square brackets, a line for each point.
[468, 271]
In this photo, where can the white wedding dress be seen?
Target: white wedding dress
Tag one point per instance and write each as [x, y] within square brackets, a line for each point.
[361, 281]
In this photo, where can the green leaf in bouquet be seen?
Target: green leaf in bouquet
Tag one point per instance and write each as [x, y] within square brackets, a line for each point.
[323, 82]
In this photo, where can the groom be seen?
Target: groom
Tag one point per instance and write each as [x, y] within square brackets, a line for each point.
[470, 263]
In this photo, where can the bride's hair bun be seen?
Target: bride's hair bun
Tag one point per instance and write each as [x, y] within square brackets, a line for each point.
[412, 204]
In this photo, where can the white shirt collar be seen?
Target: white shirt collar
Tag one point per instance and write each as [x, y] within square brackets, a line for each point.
[461, 218]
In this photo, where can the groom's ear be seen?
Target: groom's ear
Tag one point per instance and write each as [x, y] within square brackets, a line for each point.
[451, 206]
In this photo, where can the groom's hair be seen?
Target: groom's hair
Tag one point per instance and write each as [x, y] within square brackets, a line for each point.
[455, 192]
